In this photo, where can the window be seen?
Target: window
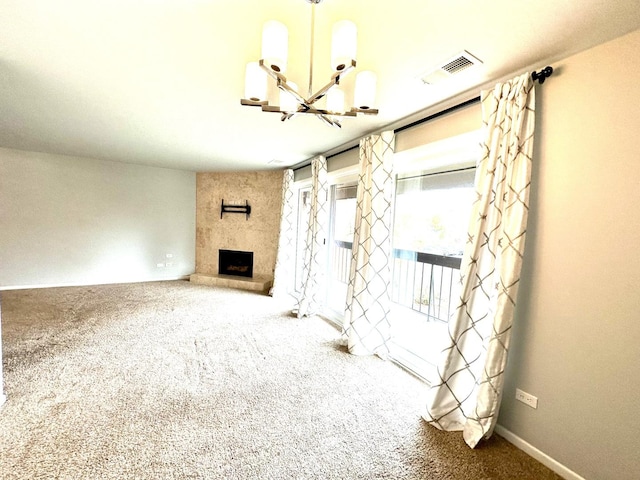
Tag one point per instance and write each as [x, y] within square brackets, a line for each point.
[342, 226]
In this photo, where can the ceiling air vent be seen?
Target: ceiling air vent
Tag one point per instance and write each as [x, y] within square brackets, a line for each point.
[454, 65]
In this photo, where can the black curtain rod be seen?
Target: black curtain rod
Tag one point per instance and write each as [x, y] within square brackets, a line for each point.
[541, 76]
[439, 114]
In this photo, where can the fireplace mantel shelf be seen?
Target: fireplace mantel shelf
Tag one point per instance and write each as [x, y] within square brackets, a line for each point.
[246, 208]
[257, 283]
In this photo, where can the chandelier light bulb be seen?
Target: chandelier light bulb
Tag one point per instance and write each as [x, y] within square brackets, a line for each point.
[335, 100]
[365, 90]
[275, 45]
[344, 40]
[288, 103]
[255, 82]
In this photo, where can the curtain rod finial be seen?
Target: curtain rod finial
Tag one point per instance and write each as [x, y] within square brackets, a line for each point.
[542, 74]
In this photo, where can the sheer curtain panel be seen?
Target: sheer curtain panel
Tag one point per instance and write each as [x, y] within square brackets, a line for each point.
[283, 273]
[313, 275]
[466, 394]
[366, 327]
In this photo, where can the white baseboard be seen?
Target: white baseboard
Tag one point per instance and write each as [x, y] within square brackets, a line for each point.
[90, 284]
[3, 398]
[542, 457]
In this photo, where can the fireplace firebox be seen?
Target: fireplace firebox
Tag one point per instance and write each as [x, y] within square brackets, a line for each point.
[235, 262]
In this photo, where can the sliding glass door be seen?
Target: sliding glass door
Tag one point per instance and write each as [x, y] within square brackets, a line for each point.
[429, 233]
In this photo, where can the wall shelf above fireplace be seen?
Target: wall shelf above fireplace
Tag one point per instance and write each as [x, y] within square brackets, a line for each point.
[246, 208]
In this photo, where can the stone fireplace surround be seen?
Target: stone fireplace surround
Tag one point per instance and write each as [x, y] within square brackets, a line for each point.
[257, 234]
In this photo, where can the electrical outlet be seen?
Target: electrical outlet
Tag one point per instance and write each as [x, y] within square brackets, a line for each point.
[160, 265]
[169, 264]
[526, 398]
[169, 255]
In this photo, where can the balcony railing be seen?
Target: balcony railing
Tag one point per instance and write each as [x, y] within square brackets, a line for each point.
[423, 282]
[341, 261]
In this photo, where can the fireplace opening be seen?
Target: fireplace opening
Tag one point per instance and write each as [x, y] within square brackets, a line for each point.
[235, 262]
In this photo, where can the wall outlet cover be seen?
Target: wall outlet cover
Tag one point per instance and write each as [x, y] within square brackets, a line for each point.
[526, 398]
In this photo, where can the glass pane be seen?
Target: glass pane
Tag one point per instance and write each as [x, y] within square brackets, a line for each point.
[432, 212]
[304, 207]
[430, 231]
[343, 213]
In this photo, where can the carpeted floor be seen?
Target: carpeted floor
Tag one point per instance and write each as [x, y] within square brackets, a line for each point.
[169, 380]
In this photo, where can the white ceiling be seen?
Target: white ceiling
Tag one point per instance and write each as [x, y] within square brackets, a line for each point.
[159, 82]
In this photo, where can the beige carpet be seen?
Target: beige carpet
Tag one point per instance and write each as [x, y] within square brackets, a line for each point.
[170, 380]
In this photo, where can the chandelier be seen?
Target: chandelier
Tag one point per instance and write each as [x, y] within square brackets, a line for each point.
[274, 62]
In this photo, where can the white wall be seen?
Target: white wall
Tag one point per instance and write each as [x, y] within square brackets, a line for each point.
[576, 339]
[71, 221]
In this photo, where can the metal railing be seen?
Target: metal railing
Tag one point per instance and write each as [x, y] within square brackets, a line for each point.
[423, 282]
[341, 261]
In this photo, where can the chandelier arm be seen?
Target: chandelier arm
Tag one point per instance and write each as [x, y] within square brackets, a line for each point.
[329, 121]
[272, 109]
[366, 111]
[320, 111]
[277, 76]
[335, 80]
[253, 103]
[287, 88]
[281, 83]
[310, 111]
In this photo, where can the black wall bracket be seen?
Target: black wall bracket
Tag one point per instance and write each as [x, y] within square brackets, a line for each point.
[246, 208]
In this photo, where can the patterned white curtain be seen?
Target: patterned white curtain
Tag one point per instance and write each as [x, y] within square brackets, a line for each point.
[283, 273]
[467, 394]
[366, 326]
[313, 274]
